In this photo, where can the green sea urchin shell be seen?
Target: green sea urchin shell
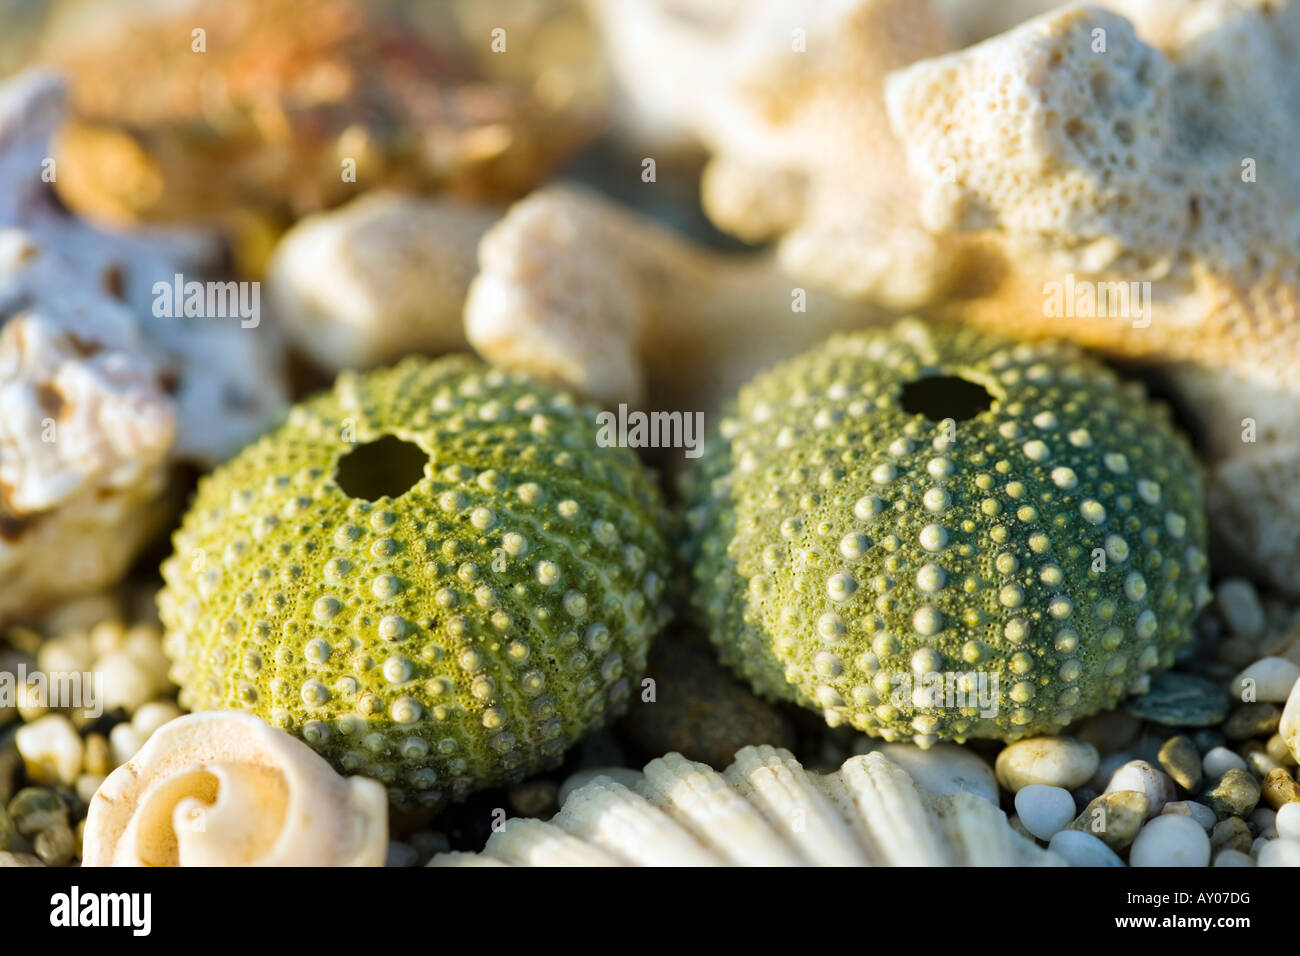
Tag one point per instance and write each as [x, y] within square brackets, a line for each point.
[458, 635]
[854, 552]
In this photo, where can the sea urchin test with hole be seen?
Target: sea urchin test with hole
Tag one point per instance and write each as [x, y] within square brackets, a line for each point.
[431, 574]
[931, 534]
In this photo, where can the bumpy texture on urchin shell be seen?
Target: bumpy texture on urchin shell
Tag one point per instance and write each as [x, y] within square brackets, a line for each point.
[460, 635]
[840, 545]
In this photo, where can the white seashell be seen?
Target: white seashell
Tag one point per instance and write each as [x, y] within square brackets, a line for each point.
[1289, 728]
[701, 800]
[774, 781]
[943, 768]
[763, 810]
[624, 775]
[226, 789]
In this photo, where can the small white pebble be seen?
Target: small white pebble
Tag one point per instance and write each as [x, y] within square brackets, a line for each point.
[123, 743]
[1044, 810]
[51, 749]
[1239, 604]
[1171, 840]
[126, 683]
[1279, 853]
[1233, 858]
[1219, 761]
[144, 643]
[1148, 780]
[69, 653]
[1197, 811]
[1054, 761]
[1268, 679]
[1287, 821]
[1107, 766]
[106, 636]
[1083, 849]
[153, 715]
[87, 784]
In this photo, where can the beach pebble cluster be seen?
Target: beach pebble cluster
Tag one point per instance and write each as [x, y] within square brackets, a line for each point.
[483, 673]
[55, 749]
[1196, 772]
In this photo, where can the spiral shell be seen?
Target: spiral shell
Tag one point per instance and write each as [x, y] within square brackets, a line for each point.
[220, 789]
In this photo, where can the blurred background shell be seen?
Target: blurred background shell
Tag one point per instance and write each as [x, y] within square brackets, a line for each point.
[252, 130]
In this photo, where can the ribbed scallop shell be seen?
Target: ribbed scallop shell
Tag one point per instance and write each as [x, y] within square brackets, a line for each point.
[763, 810]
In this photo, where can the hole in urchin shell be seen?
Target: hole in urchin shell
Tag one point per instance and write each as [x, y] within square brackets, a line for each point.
[386, 467]
[941, 397]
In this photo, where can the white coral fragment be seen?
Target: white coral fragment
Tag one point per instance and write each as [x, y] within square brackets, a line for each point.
[1074, 147]
[379, 278]
[223, 374]
[98, 395]
[574, 289]
[85, 431]
[226, 789]
[764, 810]
[787, 97]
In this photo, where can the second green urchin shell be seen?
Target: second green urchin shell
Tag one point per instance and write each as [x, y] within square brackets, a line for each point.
[458, 635]
[877, 563]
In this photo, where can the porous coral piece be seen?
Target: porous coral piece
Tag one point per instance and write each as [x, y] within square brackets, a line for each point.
[433, 574]
[787, 97]
[765, 810]
[97, 395]
[223, 375]
[382, 277]
[85, 431]
[933, 534]
[1074, 141]
[222, 789]
[577, 290]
